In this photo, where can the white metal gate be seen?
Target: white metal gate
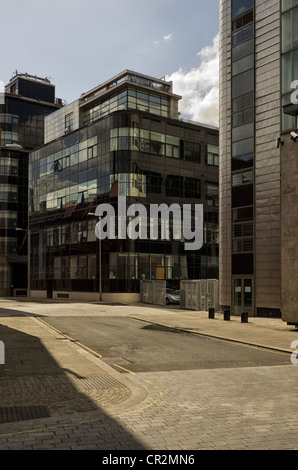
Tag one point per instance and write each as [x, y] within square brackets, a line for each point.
[200, 294]
[153, 292]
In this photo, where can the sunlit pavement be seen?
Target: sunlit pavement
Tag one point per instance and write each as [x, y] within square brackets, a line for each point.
[92, 406]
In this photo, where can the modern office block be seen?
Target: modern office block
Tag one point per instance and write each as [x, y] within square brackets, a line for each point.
[123, 138]
[258, 64]
[250, 115]
[27, 99]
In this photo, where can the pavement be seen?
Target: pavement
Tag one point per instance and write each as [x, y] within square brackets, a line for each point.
[49, 378]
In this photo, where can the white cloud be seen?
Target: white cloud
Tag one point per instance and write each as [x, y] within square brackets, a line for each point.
[166, 38]
[199, 87]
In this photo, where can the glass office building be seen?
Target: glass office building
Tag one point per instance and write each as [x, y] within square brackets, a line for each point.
[27, 99]
[123, 138]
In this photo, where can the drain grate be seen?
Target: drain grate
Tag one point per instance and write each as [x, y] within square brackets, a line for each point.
[9, 414]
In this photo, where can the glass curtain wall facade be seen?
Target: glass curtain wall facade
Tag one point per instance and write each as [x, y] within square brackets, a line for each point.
[242, 138]
[237, 143]
[145, 156]
[21, 129]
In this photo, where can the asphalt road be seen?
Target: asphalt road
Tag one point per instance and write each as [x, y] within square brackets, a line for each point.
[130, 345]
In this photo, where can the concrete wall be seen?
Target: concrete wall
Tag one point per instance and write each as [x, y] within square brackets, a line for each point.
[89, 296]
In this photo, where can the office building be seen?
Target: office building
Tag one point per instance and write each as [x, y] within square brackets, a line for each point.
[122, 138]
[258, 46]
[27, 99]
[289, 154]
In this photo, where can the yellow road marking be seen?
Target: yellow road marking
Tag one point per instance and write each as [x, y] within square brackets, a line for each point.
[70, 338]
[126, 370]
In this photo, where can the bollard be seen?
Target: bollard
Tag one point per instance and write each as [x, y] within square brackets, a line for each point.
[226, 315]
[211, 312]
[244, 317]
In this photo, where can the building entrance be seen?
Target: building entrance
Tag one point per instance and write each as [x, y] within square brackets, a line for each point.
[243, 295]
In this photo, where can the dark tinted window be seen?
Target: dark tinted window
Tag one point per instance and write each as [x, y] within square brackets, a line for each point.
[242, 162]
[242, 132]
[240, 6]
[242, 195]
[242, 83]
[243, 50]
[242, 263]
[243, 64]
[242, 102]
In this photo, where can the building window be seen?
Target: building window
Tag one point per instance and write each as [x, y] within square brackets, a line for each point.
[243, 64]
[9, 166]
[212, 155]
[192, 152]
[243, 35]
[8, 193]
[192, 188]
[242, 117]
[289, 70]
[57, 166]
[60, 202]
[212, 194]
[287, 4]
[242, 177]
[243, 147]
[243, 245]
[242, 196]
[242, 21]
[289, 30]
[153, 182]
[174, 186]
[69, 122]
[81, 197]
[239, 6]
[8, 245]
[92, 152]
[8, 219]
[173, 146]
[242, 83]
[243, 49]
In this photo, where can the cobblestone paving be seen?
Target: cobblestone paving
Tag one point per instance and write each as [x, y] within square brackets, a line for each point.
[93, 407]
[247, 408]
[61, 394]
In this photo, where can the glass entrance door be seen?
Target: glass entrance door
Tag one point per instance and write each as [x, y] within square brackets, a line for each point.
[242, 295]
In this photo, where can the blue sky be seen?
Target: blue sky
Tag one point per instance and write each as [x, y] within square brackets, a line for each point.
[81, 43]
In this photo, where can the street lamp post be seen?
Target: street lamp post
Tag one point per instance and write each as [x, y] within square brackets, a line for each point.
[99, 263]
[18, 229]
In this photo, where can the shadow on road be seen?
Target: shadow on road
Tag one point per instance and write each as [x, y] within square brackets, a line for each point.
[34, 386]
